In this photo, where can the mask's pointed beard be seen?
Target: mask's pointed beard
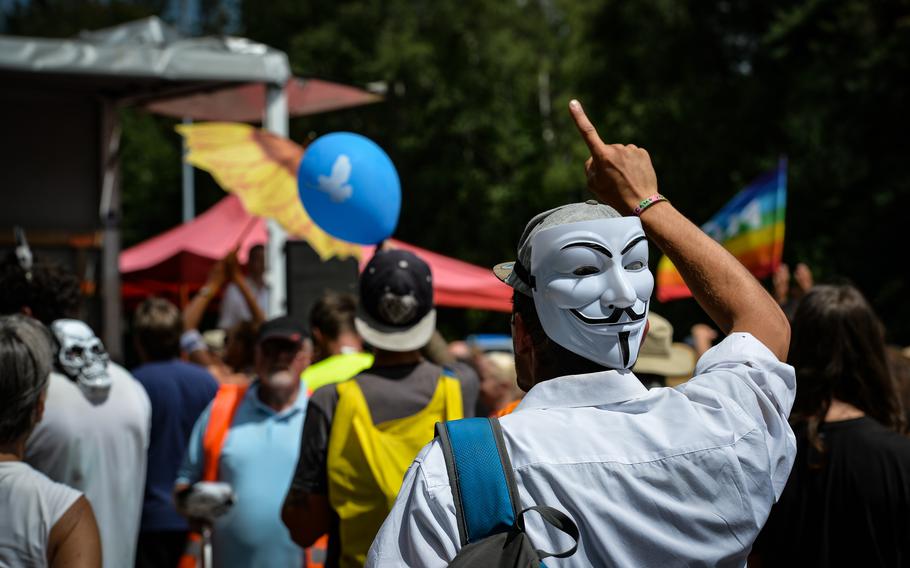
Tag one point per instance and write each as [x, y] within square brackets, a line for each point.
[624, 348]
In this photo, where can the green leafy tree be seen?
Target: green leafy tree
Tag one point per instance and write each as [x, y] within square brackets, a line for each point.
[474, 114]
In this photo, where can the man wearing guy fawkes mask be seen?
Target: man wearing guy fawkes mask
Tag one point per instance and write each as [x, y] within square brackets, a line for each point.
[586, 269]
[682, 476]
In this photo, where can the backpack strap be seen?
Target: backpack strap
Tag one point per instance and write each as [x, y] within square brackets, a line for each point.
[225, 404]
[558, 520]
[483, 484]
[481, 477]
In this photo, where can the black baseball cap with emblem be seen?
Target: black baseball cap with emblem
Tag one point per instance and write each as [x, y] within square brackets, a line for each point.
[282, 327]
[396, 312]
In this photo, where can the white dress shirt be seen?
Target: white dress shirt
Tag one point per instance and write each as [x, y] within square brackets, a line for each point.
[681, 476]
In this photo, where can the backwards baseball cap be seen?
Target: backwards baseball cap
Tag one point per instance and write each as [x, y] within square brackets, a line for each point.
[396, 312]
[282, 327]
[517, 273]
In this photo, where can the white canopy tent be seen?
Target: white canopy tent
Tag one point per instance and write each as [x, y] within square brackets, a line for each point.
[48, 84]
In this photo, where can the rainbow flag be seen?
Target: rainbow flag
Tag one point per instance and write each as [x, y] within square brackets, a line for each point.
[751, 226]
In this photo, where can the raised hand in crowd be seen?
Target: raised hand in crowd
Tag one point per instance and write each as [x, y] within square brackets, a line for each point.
[622, 176]
[192, 314]
[804, 279]
[235, 276]
[780, 280]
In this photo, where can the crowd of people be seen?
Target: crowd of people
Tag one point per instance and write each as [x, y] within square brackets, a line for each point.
[777, 437]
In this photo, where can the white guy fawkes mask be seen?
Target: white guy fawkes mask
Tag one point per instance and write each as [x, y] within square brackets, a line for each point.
[82, 357]
[592, 287]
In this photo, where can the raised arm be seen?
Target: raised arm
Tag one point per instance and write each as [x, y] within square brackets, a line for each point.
[236, 277]
[194, 311]
[622, 176]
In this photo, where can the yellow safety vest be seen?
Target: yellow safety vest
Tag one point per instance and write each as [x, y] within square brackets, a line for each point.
[367, 462]
[335, 369]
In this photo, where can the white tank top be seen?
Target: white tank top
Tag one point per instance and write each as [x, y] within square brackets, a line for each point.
[30, 506]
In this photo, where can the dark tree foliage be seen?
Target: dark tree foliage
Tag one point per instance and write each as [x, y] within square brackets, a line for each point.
[474, 115]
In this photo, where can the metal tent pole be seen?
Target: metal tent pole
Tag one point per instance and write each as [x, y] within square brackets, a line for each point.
[276, 121]
[189, 185]
[109, 213]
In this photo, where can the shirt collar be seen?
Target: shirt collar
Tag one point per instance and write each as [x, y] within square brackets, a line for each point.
[591, 389]
[299, 405]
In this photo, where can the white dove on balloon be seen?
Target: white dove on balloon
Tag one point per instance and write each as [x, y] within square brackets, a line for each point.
[336, 185]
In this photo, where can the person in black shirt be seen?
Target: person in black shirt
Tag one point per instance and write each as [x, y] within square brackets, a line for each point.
[847, 501]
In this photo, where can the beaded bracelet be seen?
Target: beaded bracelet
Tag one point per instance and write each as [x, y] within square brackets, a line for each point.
[649, 201]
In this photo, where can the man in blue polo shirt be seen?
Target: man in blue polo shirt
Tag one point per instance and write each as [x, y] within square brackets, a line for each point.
[259, 455]
[178, 392]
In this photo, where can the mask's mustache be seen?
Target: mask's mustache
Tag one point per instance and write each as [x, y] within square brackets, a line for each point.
[614, 317]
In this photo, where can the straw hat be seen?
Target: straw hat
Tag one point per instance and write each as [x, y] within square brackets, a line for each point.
[660, 356]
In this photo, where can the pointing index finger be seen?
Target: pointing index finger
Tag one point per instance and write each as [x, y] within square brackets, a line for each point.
[588, 132]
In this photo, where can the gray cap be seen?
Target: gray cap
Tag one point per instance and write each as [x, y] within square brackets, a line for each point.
[515, 273]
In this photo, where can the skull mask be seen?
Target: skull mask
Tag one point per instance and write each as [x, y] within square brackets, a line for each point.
[82, 356]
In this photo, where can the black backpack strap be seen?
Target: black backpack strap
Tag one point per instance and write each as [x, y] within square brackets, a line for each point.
[560, 521]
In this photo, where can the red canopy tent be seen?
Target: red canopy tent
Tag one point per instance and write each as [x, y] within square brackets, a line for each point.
[246, 102]
[179, 259]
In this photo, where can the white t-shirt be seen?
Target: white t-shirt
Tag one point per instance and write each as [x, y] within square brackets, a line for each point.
[31, 506]
[101, 450]
[233, 305]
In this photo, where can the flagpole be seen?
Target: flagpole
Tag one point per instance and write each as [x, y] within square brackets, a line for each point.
[780, 228]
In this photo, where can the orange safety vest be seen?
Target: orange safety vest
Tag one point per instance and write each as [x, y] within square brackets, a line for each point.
[224, 406]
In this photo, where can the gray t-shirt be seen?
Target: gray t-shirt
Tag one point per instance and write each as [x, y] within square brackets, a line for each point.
[30, 506]
[101, 450]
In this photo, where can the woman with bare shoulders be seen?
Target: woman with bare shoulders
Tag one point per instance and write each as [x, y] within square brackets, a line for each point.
[43, 523]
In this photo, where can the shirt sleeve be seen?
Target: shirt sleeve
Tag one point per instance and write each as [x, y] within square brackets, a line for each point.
[311, 475]
[741, 368]
[59, 498]
[191, 469]
[421, 530]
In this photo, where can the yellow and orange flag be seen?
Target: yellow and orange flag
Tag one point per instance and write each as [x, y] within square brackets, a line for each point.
[261, 169]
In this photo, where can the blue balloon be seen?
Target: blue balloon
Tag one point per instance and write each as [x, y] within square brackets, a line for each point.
[350, 188]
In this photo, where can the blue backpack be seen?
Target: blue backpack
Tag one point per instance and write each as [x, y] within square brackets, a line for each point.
[490, 524]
